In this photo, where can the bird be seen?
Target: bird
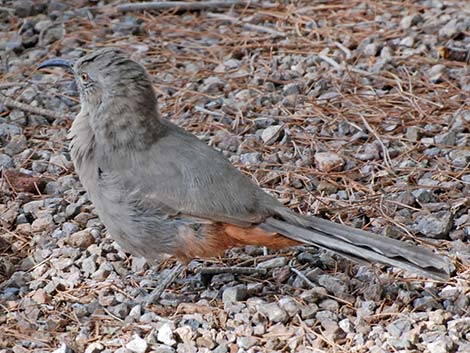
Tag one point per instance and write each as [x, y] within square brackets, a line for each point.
[158, 189]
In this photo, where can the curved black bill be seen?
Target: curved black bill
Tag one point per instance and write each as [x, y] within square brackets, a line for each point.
[58, 62]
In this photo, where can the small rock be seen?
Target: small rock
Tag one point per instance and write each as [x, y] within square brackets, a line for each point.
[427, 141]
[212, 85]
[328, 320]
[9, 129]
[447, 138]
[135, 312]
[82, 239]
[407, 42]
[57, 164]
[235, 293]
[80, 310]
[53, 188]
[308, 311]
[398, 327]
[450, 29]
[372, 49]
[437, 73]
[52, 34]
[23, 8]
[138, 264]
[254, 288]
[442, 344]
[165, 335]
[449, 292]
[346, 325]
[89, 265]
[459, 328]
[329, 162]
[42, 25]
[273, 312]
[94, 347]
[24, 228]
[252, 158]
[425, 303]
[366, 309]
[244, 95]
[205, 340]
[410, 20]
[227, 65]
[333, 285]
[148, 317]
[69, 228]
[163, 349]
[122, 350]
[329, 304]
[14, 44]
[10, 213]
[120, 310]
[289, 305]
[413, 133]
[422, 195]
[137, 345]
[460, 158]
[292, 89]
[221, 348]
[63, 349]
[29, 94]
[39, 166]
[314, 294]
[271, 134]
[41, 297]
[42, 224]
[6, 161]
[291, 100]
[435, 225]
[72, 210]
[185, 333]
[246, 342]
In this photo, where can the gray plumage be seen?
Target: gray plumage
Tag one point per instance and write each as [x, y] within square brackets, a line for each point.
[153, 184]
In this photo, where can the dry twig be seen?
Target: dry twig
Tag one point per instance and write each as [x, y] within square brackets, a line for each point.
[247, 26]
[163, 284]
[9, 102]
[181, 5]
[234, 270]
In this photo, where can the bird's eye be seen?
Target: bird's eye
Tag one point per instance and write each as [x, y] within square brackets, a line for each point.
[84, 77]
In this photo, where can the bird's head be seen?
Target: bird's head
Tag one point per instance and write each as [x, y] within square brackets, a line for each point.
[108, 78]
[117, 98]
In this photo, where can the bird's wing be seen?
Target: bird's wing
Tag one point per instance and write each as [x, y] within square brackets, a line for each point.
[184, 177]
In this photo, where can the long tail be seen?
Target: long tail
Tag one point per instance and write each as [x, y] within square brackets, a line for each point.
[358, 244]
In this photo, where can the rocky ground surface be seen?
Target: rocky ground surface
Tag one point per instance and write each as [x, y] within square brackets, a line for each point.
[353, 110]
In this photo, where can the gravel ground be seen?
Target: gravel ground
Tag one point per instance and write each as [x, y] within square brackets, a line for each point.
[353, 110]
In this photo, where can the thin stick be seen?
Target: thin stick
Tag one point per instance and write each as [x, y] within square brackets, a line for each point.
[305, 278]
[235, 269]
[6, 85]
[207, 111]
[387, 159]
[330, 61]
[181, 5]
[313, 285]
[247, 26]
[165, 282]
[9, 102]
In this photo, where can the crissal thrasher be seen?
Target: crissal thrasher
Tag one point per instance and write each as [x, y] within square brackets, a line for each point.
[160, 190]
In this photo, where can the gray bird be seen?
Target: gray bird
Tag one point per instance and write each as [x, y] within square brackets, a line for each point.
[160, 190]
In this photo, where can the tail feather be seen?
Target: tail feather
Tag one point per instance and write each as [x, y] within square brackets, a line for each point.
[361, 245]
